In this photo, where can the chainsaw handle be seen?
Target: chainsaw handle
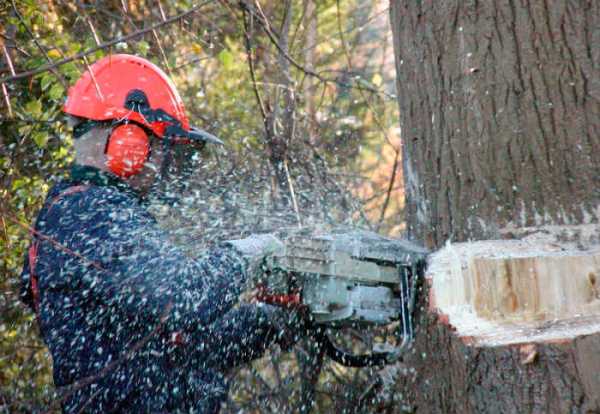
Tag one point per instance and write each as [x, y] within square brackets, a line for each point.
[294, 300]
[288, 300]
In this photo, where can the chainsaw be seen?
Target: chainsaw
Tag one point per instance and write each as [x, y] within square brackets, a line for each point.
[347, 279]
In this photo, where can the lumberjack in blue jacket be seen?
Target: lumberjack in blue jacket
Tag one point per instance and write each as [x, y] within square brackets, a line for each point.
[133, 325]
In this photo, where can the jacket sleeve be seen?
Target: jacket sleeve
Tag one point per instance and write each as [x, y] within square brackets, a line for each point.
[244, 334]
[116, 255]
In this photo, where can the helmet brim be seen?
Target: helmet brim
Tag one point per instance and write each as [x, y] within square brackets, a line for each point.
[199, 135]
[161, 128]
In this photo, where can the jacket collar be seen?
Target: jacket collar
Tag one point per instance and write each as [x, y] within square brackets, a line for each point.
[86, 174]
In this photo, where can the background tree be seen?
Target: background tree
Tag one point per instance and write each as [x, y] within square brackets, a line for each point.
[500, 117]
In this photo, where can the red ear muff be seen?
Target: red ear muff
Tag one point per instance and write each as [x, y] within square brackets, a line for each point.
[127, 150]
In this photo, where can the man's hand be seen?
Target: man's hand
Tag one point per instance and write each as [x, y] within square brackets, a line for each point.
[254, 249]
[291, 325]
[257, 245]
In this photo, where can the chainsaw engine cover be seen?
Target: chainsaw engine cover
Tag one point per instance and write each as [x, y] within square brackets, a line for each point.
[348, 278]
[333, 299]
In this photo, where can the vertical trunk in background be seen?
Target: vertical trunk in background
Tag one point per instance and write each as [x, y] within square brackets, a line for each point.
[310, 56]
[500, 120]
[500, 114]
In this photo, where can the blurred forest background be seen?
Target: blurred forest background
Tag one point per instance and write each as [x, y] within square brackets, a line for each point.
[301, 91]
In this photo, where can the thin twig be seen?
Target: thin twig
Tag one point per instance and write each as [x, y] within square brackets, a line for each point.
[191, 62]
[379, 195]
[93, 30]
[159, 43]
[7, 100]
[162, 52]
[6, 237]
[91, 72]
[104, 45]
[351, 67]
[267, 28]
[251, 67]
[161, 10]
[351, 29]
[125, 13]
[389, 190]
[292, 193]
[12, 71]
[8, 59]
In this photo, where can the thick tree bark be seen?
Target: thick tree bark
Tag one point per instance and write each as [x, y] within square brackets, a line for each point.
[500, 119]
[451, 377]
[500, 114]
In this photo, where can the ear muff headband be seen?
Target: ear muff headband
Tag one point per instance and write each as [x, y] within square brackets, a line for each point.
[127, 149]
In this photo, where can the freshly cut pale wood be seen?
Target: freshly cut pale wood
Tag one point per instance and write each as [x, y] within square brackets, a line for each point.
[537, 288]
[515, 291]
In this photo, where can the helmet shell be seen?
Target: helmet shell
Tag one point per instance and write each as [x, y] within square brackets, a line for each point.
[101, 91]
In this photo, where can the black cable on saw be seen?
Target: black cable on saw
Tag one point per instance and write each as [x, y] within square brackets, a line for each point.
[351, 360]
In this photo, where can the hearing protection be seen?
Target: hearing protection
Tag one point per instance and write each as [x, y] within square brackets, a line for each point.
[127, 148]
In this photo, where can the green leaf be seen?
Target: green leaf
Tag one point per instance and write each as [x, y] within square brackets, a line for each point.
[18, 183]
[70, 70]
[46, 81]
[226, 59]
[25, 130]
[40, 138]
[54, 54]
[56, 91]
[74, 47]
[142, 47]
[34, 108]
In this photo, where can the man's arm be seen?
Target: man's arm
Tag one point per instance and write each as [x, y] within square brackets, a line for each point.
[117, 256]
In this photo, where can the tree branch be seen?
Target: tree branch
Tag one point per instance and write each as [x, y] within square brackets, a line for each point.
[389, 189]
[251, 67]
[4, 89]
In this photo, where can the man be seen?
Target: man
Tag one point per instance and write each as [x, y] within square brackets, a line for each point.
[133, 325]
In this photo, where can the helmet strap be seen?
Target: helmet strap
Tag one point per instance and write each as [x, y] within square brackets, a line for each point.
[86, 126]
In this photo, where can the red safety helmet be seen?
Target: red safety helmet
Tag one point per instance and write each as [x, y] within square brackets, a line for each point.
[136, 96]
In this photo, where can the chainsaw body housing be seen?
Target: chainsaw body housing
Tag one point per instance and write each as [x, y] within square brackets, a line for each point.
[348, 278]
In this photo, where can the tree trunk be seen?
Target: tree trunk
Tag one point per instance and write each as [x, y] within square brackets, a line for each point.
[500, 114]
[500, 120]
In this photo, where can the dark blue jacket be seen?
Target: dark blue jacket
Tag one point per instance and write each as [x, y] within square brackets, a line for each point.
[133, 325]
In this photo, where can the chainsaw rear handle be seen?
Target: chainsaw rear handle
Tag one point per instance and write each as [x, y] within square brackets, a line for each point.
[323, 340]
[287, 300]
[293, 300]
